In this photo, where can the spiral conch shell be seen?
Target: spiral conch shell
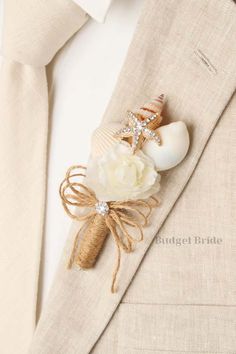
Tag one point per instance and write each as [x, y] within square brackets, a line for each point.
[151, 107]
[174, 138]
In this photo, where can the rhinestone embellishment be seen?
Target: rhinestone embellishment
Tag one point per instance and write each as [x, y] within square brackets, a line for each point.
[137, 128]
[102, 208]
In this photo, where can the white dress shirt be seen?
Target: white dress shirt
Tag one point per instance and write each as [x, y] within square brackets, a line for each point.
[83, 78]
[96, 9]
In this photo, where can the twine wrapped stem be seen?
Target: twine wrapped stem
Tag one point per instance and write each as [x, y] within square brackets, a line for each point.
[92, 242]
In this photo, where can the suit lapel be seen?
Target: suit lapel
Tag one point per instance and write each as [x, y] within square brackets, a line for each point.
[186, 50]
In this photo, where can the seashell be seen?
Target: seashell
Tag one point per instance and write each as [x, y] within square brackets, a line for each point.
[103, 138]
[155, 105]
[174, 147]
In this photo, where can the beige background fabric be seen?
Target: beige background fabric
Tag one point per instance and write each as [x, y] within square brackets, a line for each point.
[33, 33]
[177, 302]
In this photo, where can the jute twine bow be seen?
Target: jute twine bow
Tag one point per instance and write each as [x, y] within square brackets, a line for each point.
[118, 219]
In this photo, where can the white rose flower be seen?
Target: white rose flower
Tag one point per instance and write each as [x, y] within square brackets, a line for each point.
[120, 175]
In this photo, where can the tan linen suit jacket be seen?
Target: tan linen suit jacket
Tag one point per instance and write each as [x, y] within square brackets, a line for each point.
[171, 299]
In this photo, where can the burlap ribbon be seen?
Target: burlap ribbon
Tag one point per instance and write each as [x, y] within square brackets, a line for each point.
[119, 220]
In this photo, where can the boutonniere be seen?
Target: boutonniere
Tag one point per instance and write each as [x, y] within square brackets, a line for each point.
[118, 190]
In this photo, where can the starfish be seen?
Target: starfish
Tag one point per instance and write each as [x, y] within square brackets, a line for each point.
[138, 130]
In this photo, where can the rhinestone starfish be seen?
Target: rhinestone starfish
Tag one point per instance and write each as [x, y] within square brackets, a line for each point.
[138, 130]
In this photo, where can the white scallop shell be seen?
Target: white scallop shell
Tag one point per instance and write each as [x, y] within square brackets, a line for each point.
[173, 148]
[103, 138]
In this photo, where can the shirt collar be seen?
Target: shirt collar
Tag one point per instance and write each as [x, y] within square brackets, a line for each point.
[97, 9]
